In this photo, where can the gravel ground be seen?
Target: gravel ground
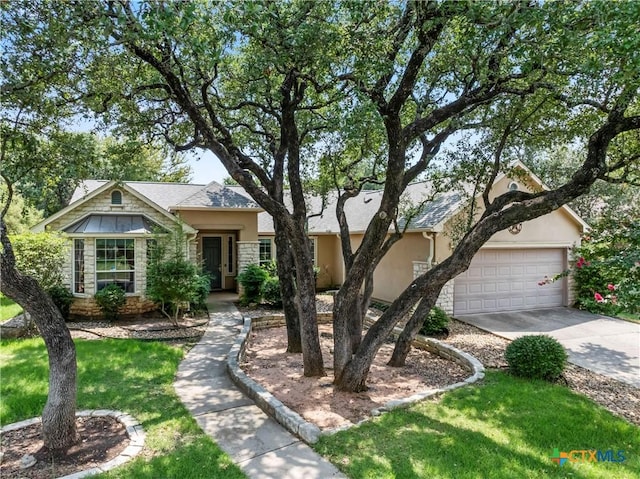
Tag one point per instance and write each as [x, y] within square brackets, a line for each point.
[158, 329]
[620, 398]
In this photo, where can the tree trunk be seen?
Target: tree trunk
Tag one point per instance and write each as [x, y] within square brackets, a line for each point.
[58, 416]
[311, 352]
[288, 291]
[411, 329]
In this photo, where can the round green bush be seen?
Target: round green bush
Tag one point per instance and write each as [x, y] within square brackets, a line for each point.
[271, 292]
[110, 299]
[435, 322]
[536, 357]
[251, 280]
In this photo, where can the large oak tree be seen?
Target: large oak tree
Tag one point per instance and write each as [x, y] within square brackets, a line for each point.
[268, 86]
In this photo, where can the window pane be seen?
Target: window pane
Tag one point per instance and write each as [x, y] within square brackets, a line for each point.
[115, 263]
[265, 250]
[78, 266]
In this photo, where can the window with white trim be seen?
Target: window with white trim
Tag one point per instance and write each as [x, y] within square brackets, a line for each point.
[230, 255]
[78, 266]
[265, 250]
[115, 263]
[313, 243]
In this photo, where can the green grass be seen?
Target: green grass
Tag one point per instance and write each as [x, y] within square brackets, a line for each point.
[503, 428]
[126, 375]
[8, 309]
[633, 317]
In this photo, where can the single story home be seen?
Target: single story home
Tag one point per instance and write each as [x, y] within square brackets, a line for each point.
[110, 226]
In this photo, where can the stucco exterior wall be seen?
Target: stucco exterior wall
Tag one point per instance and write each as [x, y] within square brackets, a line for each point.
[395, 271]
[556, 229]
[328, 260]
[244, 222]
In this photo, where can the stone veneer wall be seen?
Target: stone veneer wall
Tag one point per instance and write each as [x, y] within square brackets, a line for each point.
[87, 307]
[248, 253]
[445, 300]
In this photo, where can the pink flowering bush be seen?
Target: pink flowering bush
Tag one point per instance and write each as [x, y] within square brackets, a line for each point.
[606, 268]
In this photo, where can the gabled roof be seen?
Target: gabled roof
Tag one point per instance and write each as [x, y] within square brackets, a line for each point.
[90, 189]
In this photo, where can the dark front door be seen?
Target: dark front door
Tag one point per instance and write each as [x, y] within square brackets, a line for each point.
[212, 254]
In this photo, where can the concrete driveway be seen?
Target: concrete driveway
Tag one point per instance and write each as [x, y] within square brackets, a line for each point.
[605, 345]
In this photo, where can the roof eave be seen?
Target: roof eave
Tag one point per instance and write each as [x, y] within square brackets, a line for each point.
[214, 208]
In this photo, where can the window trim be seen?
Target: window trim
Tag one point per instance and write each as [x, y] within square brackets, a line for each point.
[272, 249]
[230, 255]
[75, 283]
[314, 247]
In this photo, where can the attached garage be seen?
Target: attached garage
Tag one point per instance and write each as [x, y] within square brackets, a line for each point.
[507, 280]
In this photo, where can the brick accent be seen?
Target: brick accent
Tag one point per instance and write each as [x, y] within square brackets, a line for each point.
[445, 300]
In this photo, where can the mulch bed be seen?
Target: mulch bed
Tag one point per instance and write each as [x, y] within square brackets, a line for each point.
[101, 439]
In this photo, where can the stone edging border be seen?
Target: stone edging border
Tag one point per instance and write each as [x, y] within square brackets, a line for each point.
[134, 431]
[309, 432]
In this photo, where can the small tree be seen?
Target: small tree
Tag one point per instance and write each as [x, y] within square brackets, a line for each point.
[174, 282]
[607, 267]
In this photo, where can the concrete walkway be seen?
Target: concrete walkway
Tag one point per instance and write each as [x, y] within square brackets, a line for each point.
[258, 444]
[605, 345]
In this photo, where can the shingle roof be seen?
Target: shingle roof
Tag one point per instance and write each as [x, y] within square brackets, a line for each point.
[214, 195]
[360, 210]
[167, 195]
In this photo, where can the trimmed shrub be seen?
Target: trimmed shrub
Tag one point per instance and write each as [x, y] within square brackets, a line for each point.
[62, 298]
[435, 322]
[251, 280]
[536, 357]
[110, 299]
[270, 292]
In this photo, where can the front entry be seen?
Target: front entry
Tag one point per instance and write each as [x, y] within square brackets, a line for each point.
[212, 255]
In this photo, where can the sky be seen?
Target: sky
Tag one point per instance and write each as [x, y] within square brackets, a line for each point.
[206, 168]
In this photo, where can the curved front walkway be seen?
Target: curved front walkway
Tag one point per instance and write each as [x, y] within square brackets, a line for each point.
[256, 442]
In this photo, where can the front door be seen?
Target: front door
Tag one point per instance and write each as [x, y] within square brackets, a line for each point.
[212, 255]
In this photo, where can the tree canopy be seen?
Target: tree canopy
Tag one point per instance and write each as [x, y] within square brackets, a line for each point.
[340, 95]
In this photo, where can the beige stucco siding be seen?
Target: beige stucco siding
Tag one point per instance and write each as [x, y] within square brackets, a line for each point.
[244, 222]
[395, 271]
[328, 260]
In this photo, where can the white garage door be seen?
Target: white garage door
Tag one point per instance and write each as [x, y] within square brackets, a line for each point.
[507, 280]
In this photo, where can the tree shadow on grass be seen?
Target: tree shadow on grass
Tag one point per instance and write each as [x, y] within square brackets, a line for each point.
[505, 428]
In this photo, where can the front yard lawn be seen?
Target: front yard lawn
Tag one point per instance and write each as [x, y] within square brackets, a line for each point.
[8, 309]
[503, 428]
[131, 376]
